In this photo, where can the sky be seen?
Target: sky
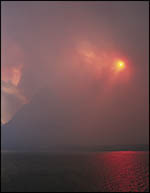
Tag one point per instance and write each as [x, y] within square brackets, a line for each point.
[92, 54]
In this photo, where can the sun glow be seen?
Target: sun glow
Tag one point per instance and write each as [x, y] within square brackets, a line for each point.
[120, 65]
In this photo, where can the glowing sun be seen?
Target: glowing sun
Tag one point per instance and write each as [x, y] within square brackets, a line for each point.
[120, 65]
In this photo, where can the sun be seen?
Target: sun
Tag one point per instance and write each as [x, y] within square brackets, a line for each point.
[120, 65]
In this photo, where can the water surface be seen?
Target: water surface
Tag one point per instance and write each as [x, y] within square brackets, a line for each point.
[120, 171]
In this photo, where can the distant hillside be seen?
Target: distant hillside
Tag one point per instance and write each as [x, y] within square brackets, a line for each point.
[44, 123]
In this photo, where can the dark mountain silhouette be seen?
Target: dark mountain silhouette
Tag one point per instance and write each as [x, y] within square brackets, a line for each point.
[45, 122]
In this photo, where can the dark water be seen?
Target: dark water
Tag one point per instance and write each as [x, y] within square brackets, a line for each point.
[108, 171]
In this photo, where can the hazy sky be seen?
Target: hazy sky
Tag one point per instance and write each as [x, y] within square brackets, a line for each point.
[76, 49]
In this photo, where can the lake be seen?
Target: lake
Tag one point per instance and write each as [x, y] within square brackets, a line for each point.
[120, 171]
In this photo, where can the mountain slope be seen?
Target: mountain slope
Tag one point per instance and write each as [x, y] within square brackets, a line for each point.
[49, 120]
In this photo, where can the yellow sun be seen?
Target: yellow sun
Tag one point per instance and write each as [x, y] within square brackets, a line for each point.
[120, 65]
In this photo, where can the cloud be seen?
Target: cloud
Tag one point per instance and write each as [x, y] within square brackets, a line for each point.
[12, 62]
[12, 100]
[11, 73]
[10, 89]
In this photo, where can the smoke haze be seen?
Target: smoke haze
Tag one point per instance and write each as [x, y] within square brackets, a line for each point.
[70, 49]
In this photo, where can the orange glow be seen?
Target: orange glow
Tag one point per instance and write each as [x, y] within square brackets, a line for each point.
[111, 66]
[16, 76]
[12, 74]
[88, 54]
